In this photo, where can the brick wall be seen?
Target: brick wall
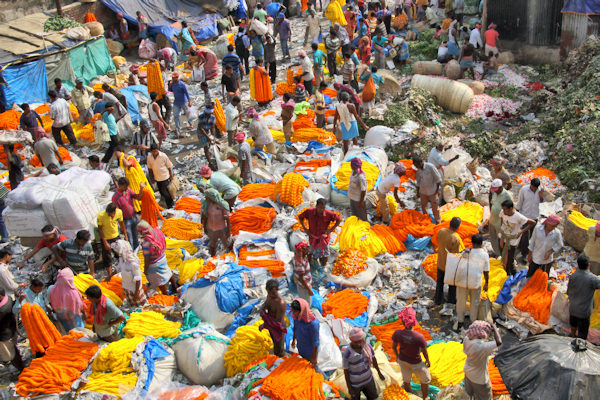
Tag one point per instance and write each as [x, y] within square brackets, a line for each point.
[77, 12]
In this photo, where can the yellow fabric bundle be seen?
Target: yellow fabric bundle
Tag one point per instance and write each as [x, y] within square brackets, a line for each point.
[581, 221]
[189, 268]
[343, 175]
[248, 344]
[181, 228]
[468, 211]
[116, 357]
[84, 281]
[357, 234]
[447, 363]
[114, 383]
[151, 323]
[334, 13]
[497, 278]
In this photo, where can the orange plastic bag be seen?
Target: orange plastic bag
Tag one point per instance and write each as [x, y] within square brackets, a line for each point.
[369, 91]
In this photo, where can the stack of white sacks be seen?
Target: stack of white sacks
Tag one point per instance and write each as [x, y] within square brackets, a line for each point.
[70, 201]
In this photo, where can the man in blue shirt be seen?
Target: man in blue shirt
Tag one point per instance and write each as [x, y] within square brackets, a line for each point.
[181, 95]
[306, 331]
[285, 32]
[111, 123]
[234, 60]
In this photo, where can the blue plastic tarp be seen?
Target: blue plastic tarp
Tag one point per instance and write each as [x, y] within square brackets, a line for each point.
[505, 293]
[587, 7]
[25, 83]
[163, 13]
[273, 9]
[229, 288]
[241, 319]
[132, 103]
[417, 244]
[153, 351]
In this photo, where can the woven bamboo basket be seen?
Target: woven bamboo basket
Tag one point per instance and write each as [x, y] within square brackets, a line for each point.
[428, 68]
[451, 95]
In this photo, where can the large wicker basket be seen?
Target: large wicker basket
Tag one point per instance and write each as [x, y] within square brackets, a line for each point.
[574, 235]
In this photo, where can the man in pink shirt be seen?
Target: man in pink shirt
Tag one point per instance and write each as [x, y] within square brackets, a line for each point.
[492, 42]
[123, 199]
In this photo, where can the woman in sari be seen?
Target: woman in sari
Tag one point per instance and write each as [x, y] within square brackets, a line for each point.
[133, 171]
[66, 301]
[154, 245]
[129, 267]
[186, 38]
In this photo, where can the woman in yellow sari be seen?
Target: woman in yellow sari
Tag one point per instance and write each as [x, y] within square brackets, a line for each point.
[133, 171]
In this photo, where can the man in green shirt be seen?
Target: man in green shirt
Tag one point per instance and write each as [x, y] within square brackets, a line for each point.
[260, 14]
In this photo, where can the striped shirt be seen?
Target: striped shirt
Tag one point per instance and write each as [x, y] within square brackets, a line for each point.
[75, 257]
[233, 60]
[358, 366]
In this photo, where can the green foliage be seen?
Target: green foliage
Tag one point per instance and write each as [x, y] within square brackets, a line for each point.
[425, 48]
[505, 91]
[484, 145]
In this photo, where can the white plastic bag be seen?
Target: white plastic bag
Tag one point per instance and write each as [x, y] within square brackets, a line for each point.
[258, 27]
[378, 136]
[24, 222]
[360, 280]
[464, 271]
[204, 304]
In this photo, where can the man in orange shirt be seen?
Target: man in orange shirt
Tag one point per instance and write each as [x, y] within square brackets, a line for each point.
[492, 41]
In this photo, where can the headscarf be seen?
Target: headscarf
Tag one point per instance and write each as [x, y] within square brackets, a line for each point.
[205, 171]
[39, 133]
[201, 184]
[356, 164]
[400, 169]
[299, 251]
[214, 196]
[498, 161]
[125, 252]
[492, 26]
[408, 317]
[552, 219]
[251, 113]
[239, 137]
[358, 335]
[64, 295]
[479, 330]
[100, 311]
[305, 314]
[154, 236]
[301, 53]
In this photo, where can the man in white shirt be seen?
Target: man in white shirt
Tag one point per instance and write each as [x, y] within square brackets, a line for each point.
[512, 226]
[528, 204]
[389, 182]
[232, 119]
[480, 266]
[545, 241]
[475, 38]
[442, 55]
[437, 160]
[477, 378]
[429, 182]
[61, 114]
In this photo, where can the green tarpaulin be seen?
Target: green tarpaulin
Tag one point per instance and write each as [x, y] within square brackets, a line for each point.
[91, 59]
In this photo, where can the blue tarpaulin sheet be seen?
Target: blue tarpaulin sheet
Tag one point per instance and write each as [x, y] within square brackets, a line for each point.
[132, 104]
[25, 83]
[163, 13]
[229, 288]
[154, 351]
[588, 7]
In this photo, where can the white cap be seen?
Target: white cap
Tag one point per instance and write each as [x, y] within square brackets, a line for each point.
[496, 183]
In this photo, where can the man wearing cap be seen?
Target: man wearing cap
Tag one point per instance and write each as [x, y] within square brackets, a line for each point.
[528, 204]
[357, 190]
[181, 98]
[391, 181]
[545, 242]
[80, 97]
[244, 158]
[592, 248]
[428, 187]
[143, 139]
[498, 195]
[206, 131]
[357, 360]
[223, 184]
[475, 37]
[160, 170]
[492, 42]
[513, 224]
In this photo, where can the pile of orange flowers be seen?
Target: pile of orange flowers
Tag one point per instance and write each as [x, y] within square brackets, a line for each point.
[64, 153]
[41, 332]
[290, 189]
[391, 243]
[384, 333]
[466, 230]
[395, 392]
[182, 229]
[252, 219]
[10, 119]
[349, 263]
[411, 222]
[304, 133]
[410, 172]
[115, 285]
[189, 205]
[150, 208]
[294, 378]
[288, 86]
[163, 300]
[345, 304]
[255, 190]
[430, 265]
[56, 371]
[189, 392]
[311, 165]
[548, 178]
[498, 386]
[535, 298]
[261, 259]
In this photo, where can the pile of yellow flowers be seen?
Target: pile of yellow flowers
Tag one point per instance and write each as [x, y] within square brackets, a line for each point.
[248, 344]
[343, 175]
[181, 228]
[151, 323]
[357, 234]
[114, 383]
[84, 281]
[349, 263]
[190, 268]
[395, 392]
[173, 252]
[581, 221]
[497, 278]
[430, 265]
[468, 211]
[290, 189]
[447, 363]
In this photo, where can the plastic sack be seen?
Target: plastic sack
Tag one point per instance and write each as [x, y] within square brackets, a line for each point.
[97, 182]
[177, 391]
[101, 133]
[456, 168]
[32, 192]
[464, 272]
[147, 49]
[200, 357]
[222, 165]
[378, 136]
[258, 27]
[24, 222]
[360, 280]
[204, 304]
[78, 33]
[198, 74]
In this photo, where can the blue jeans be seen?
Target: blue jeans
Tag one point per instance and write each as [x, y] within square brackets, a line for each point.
[284, 47]
[177, 111]
[3, 231]
[132, 232]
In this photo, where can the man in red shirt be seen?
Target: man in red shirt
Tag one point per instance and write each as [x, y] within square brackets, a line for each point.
[50, 236]
[408, 346]
[492, 43]
[318, 231]
[123, 199]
